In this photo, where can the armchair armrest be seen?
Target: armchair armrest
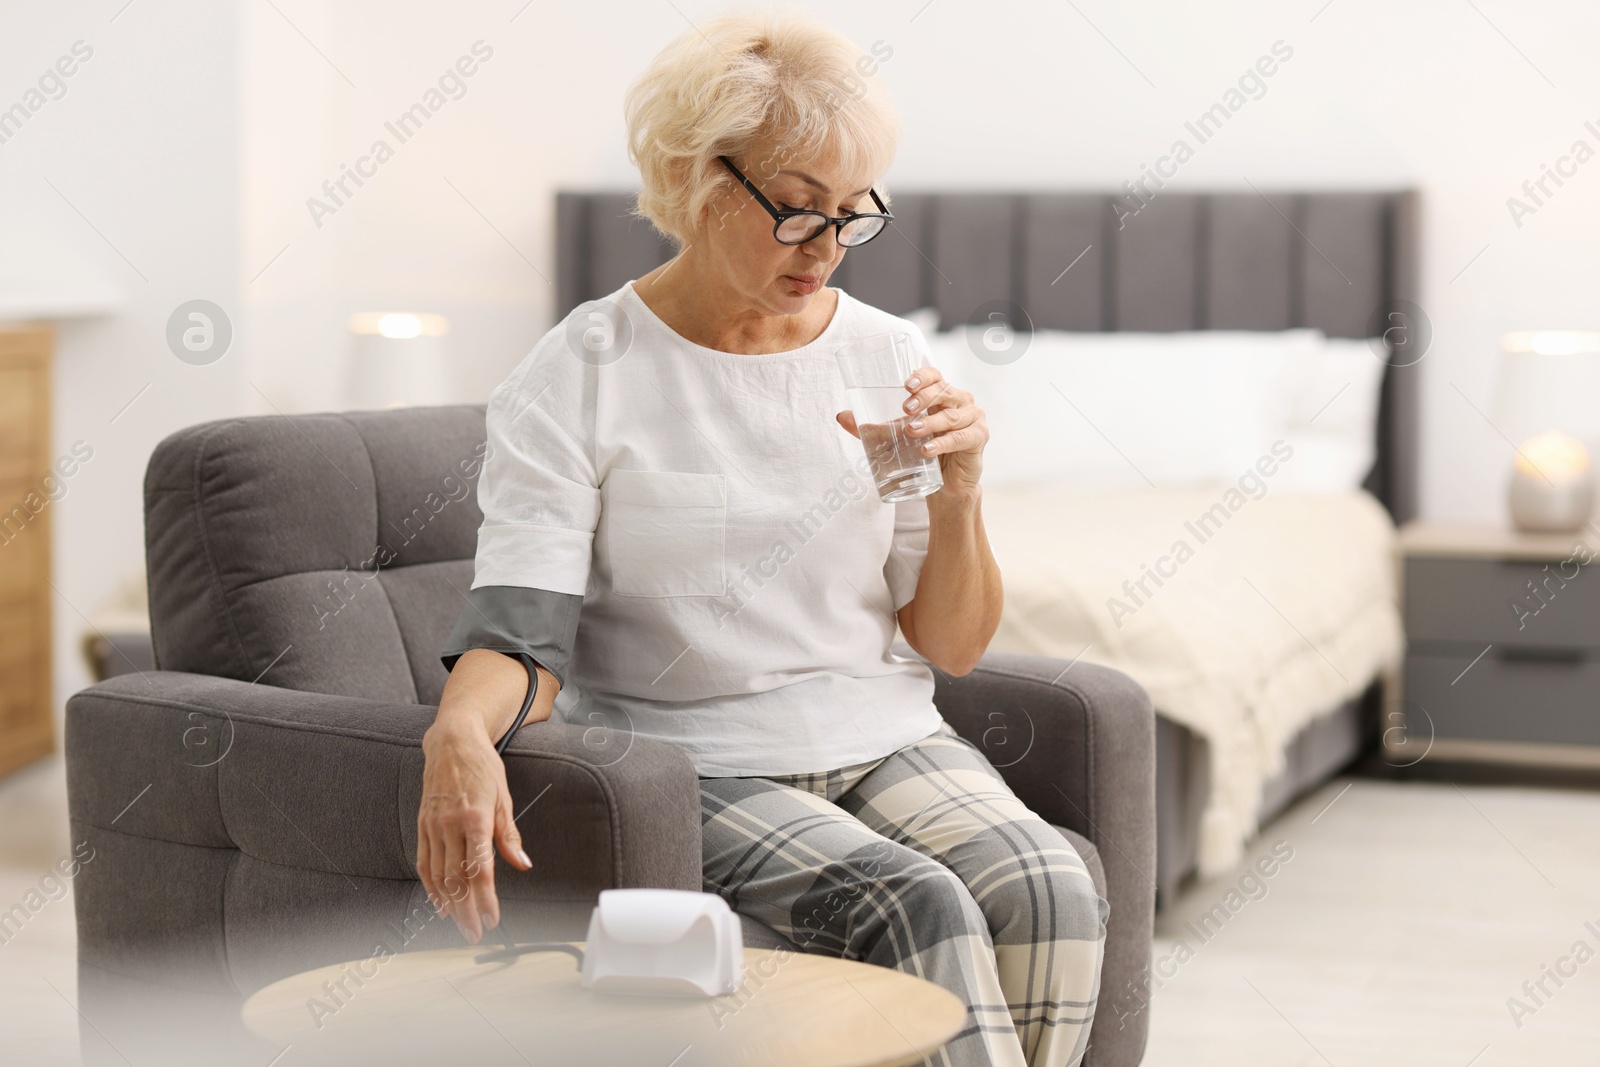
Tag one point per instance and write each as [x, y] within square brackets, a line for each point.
[240, 832]
[333, 784]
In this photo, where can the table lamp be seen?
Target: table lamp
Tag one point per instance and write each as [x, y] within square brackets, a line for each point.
[397, 359]
[1549, 406]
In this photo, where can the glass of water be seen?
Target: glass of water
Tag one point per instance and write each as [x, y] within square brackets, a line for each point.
[875, 370]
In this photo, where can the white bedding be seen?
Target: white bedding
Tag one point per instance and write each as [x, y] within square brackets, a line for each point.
[1125, 410]
[1285, 607]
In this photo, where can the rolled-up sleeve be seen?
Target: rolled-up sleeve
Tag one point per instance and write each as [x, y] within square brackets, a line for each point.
[540, 508]
[539, 498]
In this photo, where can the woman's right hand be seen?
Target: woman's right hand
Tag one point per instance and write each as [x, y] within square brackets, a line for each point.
[466, 806]
[465, 813]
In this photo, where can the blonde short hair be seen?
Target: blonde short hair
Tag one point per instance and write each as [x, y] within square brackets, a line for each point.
[745, 81]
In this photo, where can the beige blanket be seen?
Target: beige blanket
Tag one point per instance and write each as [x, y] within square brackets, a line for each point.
[1243, 617]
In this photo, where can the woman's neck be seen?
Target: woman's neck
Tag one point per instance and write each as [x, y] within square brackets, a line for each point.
[702, 308]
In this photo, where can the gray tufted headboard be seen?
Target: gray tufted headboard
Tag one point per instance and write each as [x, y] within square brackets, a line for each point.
[1346, 262]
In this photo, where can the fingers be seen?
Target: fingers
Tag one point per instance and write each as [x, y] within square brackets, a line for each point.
[951, 430]
[938, 398]
[507, 835]
[480, 881]
[939, 395]
[436, 868]
[923, 377]
[847, 419]
[458, 891]
[927, 386]
[425, 863]
[460, 876]
[968, 439]
[944, 419]
[472, 872]
[466, 811]
[940, 408]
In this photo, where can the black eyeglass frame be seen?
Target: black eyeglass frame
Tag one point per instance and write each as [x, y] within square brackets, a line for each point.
[779, 217]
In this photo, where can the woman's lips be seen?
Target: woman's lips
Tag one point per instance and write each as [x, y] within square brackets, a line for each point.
[805, 285]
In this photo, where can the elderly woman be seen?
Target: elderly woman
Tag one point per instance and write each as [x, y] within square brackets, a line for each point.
[674, 463]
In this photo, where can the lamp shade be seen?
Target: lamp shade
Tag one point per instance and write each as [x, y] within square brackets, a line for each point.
[397, 359]
[1550, 382]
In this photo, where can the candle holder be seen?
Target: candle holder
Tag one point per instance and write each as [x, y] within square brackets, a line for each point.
[1552, 487]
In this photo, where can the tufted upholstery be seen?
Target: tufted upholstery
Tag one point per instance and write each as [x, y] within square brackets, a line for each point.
[334, 549]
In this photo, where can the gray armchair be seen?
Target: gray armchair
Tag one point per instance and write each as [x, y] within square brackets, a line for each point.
[252, 803]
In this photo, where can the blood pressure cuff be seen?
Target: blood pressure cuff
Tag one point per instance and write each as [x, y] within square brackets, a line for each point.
[513, 619]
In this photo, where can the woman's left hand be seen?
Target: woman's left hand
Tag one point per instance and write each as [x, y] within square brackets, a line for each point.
[951, 427]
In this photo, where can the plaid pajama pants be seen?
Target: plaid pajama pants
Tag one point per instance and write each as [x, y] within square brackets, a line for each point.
[924, 861]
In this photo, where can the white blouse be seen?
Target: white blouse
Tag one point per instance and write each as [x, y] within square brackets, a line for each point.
[738, 573]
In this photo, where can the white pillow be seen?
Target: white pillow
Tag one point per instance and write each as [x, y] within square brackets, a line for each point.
[1216, 401]
[1130, 409]
[1334, 423]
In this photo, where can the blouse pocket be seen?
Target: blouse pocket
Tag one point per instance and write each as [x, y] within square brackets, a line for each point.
[665, 532]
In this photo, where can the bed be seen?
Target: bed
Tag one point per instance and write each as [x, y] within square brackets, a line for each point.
[1264, 686]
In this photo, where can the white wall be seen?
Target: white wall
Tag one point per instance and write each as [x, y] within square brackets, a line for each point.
[196, 155]
[145, 145]
[1024, 93]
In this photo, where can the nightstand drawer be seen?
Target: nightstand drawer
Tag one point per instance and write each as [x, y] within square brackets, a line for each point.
[1471, 601]
[1504, 699]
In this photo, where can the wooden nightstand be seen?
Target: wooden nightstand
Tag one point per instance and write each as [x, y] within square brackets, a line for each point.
[1502, 644]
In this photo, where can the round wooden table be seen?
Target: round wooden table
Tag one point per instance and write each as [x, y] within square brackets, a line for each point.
[442, 1007]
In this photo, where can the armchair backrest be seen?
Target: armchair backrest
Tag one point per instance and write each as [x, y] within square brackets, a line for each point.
[330, 553]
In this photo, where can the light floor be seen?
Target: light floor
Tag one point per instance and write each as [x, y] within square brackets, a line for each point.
[1406, 916]
[38, 968]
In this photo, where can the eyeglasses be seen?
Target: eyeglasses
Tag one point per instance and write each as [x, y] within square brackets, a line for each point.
[796, 227]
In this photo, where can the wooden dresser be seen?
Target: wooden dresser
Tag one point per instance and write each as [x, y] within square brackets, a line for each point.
[27, 478]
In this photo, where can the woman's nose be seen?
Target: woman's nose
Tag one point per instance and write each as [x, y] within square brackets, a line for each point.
[824, 247]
